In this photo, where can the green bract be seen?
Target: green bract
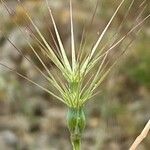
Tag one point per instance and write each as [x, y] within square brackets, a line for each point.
[76, 123]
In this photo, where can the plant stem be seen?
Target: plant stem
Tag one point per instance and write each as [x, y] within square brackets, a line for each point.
[76, 143]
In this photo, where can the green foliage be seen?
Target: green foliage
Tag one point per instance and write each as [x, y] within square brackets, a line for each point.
[138, 66]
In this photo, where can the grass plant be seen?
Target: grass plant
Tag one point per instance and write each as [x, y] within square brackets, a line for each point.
[78, 87]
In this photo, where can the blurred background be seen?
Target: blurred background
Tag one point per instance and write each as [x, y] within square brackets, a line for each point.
[30, 119]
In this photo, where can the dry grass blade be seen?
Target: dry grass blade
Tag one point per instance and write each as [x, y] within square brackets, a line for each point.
[141, 137]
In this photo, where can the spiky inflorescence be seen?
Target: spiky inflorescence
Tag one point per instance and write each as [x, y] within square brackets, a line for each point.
[77, 88]
[76, 92]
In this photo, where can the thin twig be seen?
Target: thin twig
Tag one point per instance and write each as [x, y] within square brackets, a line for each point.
[141, 137]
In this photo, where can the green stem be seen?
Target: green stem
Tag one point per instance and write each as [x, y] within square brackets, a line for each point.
[76, 144]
